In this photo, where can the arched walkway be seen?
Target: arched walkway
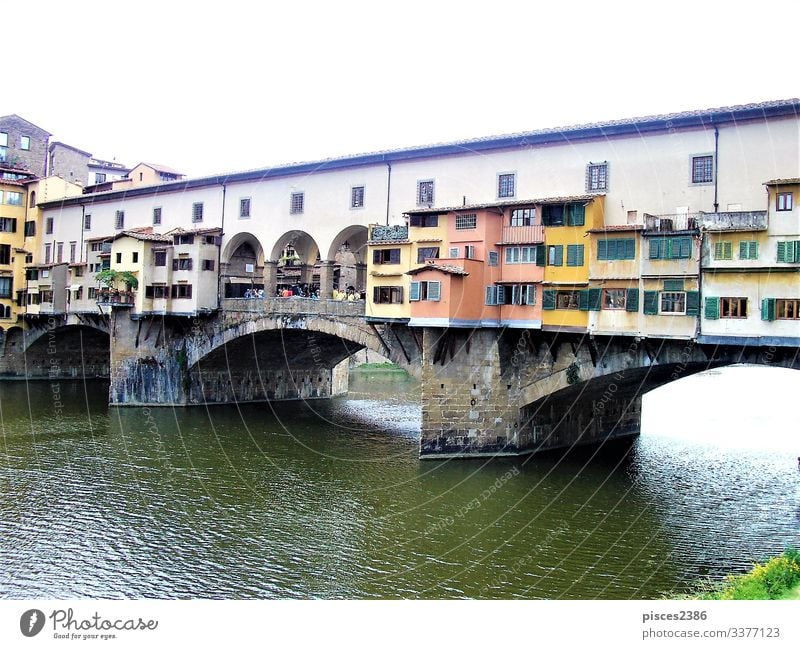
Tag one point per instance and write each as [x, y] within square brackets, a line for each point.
[242, 267]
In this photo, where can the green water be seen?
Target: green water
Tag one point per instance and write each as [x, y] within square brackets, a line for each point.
[329, 499]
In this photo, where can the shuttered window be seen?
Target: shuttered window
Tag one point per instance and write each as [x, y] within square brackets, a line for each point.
[420, 291]
[723, 250]
[670, 248]
[651, 302]
[609, 249]
[748, 250]
[632, 300]
[388, 256]
[711, 311]
[555, 255]
[548, 300]
[789, 251]
[576, 214]
[673, 284]
[768, 308]
[575, 255]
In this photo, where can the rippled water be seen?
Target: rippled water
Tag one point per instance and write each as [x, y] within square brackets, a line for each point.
[328, 499]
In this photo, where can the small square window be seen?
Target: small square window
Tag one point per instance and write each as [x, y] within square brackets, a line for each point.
[466, 221]
[506, 185]
[494, 258]
[25, 142]
[425, 192]
[99, 178]
[597, 177]
[244, 208]
[135, 257]
[297, 203]
[357, 197]
[702, 169]
[118, 258]
[197, 212]
[784, 202]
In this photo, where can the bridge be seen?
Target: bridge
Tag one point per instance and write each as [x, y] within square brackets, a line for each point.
[484, 391]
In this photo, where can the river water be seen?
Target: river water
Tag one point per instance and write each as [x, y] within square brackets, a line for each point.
[328, 499]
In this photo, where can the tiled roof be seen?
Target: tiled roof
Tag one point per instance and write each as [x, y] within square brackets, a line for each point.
[617, 228]
[444, 268]
[783, 181]
[501, 204]
[195, 231]
[161, 168]
[143, 235]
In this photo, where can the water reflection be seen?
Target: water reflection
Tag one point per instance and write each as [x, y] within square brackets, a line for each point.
[328, 499]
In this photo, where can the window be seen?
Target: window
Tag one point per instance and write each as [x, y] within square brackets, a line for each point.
[702, 169]
[576, 214]
[156, 216]
[555, 255]
[454, 252]
[184, 263]
[521, 255]
[208, 264]
[466, 221]
[723, 250]
[388, 256]
[566, 300]
[733, 307]
[612, 249]
[469, 252]
[296, 203]
[425, 192]
[30, 228]
[5, 253]
[424, 220]
[506, 185]
[8, 225]
[597, 177]
[92, 294]
[5, 287]
[244, 208]
[99, 178]
[159, 258]
[59, 252]
[87, 221]
[47, 253]
[425, 291]
[25, 142]
[552, 215]
[426, 253]
[73, 250]
[156, 292]
[575, 254]
[32, 199]
[614, 298]
[670, 248]
[134, 257]
[181, 291]
[517, 294]
[789, 251]
[788, 309]
[48, 225]
[783, 202]
[3, 139]
[357, 196]
[523, 217]
[78, 271]
[118, 258]
[387, 295]
[494, 258]
[748, 250]
[673, 302]
[119, 219]
[183, 239]
[197, 212]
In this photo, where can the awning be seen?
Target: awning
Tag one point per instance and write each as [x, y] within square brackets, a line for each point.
[75, 287]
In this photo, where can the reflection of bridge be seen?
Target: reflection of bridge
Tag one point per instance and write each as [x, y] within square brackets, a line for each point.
[484, 391]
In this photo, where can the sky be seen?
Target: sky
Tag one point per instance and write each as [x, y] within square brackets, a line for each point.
[226, 86]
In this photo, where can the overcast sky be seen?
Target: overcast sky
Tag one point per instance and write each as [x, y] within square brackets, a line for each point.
[233, 85]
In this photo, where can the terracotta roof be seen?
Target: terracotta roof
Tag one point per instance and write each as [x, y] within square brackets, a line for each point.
[783, 181]
[196, 231]
[444, 268]
[514, 203]
[161, 168]
[388, 242]
[617, 228]
[142, 234]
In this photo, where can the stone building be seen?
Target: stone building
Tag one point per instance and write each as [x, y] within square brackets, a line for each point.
[23, 144]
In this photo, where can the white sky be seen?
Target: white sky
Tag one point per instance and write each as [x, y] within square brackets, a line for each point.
[234, 85]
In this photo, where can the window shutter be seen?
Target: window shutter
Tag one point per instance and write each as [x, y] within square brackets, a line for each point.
[673, 284]
[692, 302]
[491, 295]
[768, 308]
[579, 255]
[375, 295]
[413, 292]
[394, 256]
[632, 300]
[530, 294]
[572, 255]
[376, 256]
[651, 302]
[501, 294]
[541, 255]
[595, 298]
[548, 300]
[434, 291]
[655, 249]
[712, 308]
[189, 267]
[602, 250]
[583, 300]
[630, 248]
[744, 250]
[576, 214]
[753, 252]
[189, 291]
[13, 225]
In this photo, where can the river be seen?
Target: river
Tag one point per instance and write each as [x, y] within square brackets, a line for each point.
[328, 499]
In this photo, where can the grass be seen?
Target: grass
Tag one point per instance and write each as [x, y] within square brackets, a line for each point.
[778, 578]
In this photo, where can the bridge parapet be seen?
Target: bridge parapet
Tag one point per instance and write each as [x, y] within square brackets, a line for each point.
[296, 306]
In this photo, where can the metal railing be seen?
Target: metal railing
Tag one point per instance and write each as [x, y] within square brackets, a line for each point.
[671, 222]
[295, 306]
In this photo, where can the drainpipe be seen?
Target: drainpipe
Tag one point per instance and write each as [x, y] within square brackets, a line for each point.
[716, 167]
[219, 249]
[388, 190]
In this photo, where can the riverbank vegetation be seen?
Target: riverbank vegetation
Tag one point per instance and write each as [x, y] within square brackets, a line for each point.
[778, 578]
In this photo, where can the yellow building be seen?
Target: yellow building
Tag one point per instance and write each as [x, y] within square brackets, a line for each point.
[13, 207]
[390, 257]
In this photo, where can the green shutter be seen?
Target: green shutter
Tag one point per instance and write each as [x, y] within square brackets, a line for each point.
[541, 255]
[768, 308]
[753, 252]
[434, 291]
[580, 254]
[583, 300]
[712, 308]
[630, 249]
[548, 300]
[632, 300]
[782, 245]
[692, 302]
[602, 249]
[595, 298]
[576, 214]
[655, 249]
[673, 284]
[718, 250]
[558, 256]
[748, 250]
[413, 292]
[651, 302]
[575, 255]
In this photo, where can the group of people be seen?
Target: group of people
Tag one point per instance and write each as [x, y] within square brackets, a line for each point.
[298, 291]
[349, 295]
[254, 294]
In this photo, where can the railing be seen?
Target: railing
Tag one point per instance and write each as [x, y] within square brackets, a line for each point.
[733, 221]
[116, 298]
[388, 233]
[295, 306]
[523, 234]
[671, 222]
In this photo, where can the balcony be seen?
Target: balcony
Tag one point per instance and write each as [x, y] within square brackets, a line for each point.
[684, 222]
[295, 306]
[522, 234]
[116, 298]
[733, 221]
[388, 233]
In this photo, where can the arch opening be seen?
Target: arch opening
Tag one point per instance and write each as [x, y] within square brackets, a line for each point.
[242, 267]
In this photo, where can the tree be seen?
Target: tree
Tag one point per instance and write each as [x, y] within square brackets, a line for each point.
[111, 278]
